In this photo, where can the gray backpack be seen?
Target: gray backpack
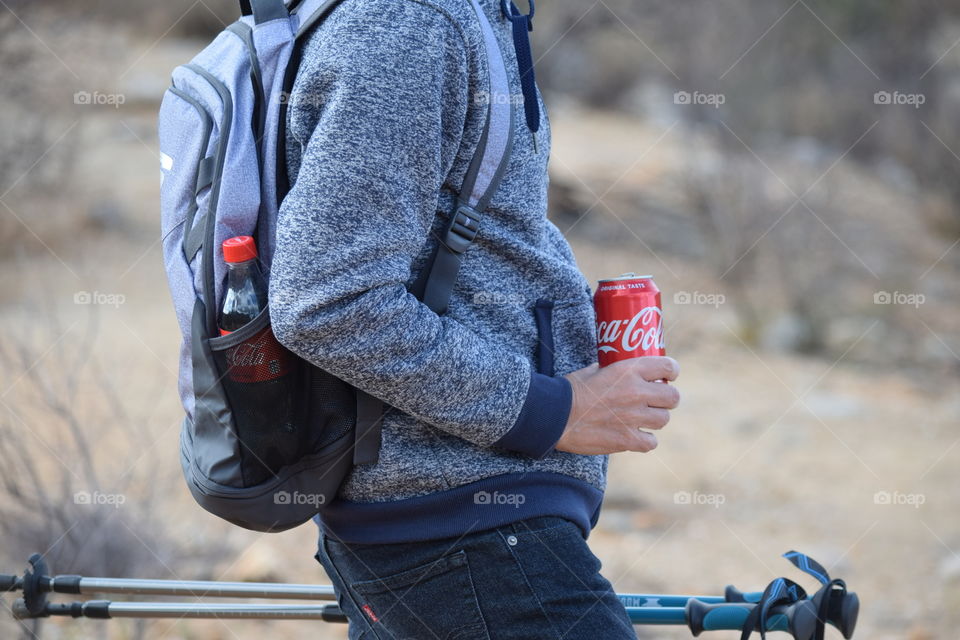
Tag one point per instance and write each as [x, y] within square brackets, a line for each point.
[263, 456]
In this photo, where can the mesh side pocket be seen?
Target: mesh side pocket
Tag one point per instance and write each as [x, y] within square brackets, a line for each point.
[331, 412]
[261, 379]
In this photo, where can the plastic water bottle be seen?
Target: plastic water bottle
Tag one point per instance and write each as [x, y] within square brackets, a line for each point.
[258, 369]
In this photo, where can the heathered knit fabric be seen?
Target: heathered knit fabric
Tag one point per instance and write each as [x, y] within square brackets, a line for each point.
[385, 115]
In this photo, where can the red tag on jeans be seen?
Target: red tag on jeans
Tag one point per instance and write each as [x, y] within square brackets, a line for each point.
[369, 611]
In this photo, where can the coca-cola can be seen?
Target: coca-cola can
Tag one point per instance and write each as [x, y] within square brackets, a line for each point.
[629, 318]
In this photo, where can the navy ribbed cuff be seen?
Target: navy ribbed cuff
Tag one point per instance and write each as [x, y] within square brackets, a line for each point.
[542, 419]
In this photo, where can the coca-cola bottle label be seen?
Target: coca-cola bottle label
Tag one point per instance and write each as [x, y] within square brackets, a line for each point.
[260, 358]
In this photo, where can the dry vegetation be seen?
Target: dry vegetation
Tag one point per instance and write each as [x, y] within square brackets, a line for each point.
[797, 201]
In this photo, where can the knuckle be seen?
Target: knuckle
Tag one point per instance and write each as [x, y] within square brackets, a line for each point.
[674, 397]
[671, 368]
[658, 419]
[664, 418]
[646, 443]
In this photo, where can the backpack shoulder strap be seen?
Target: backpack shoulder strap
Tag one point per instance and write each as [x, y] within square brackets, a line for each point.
[482, 179]
[313, 11]
[263, 10]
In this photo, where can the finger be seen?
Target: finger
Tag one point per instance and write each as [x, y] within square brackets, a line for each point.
[653, 419]
[653, 368]
[672, 369]
[659, 395]
[643, 441]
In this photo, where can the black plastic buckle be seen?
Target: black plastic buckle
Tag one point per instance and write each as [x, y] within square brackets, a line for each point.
[463, 229]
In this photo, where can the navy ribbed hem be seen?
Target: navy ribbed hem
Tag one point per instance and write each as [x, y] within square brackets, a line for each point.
[542, 419]
[484, 504]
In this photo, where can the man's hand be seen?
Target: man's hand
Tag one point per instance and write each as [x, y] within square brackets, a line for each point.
[612, 406]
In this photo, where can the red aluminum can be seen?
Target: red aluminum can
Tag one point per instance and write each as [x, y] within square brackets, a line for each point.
[629, 318]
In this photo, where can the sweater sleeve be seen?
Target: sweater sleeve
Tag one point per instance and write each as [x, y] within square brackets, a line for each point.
[387, 85]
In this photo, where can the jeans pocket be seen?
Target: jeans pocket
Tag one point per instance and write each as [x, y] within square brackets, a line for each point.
[433, 600]
[544, 528]
[565, 575]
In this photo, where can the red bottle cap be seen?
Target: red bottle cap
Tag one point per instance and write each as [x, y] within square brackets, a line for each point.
[239, 249]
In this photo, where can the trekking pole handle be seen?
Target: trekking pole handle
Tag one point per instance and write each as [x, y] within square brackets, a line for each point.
[732, 594]
[842, 614]
[798, 619]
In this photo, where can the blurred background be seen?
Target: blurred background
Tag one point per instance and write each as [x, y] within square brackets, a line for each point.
[786, 170]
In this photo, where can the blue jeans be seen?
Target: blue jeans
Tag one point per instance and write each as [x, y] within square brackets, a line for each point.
[533, 579]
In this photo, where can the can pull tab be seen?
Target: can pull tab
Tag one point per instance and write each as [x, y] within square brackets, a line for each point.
[628, 274]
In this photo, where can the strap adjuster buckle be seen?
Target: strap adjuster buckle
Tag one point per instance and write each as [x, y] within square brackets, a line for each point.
[463, 229]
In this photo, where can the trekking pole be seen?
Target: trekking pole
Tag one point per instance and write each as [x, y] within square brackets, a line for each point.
[77, 585]
[700, 613]
[36, 579]
[644, 608]
[106, 610]
[797, 619]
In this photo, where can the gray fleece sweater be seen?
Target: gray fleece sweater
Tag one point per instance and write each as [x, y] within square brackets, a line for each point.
[383, 121]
